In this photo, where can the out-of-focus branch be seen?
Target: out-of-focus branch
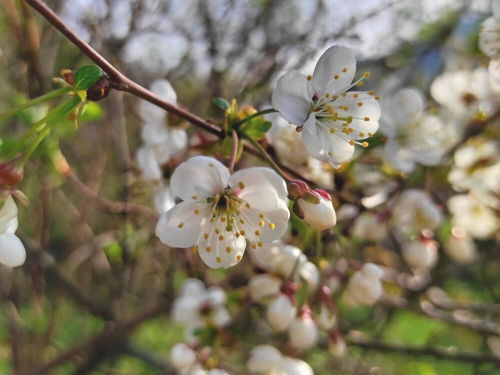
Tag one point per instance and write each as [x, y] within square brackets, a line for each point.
[449, 354]
[107, 336]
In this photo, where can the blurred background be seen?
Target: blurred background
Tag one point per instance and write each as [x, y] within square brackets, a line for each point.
[95, 294]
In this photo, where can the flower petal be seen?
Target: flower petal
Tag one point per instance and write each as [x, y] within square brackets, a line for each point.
[337, 149]
[260, 226]
[180, 226]
[199, 177]
[218, 247]
[334, 71]
[8, 216]
[164, 90]
[312, 139]
[292, 97]
[147, 162]
[12, 252]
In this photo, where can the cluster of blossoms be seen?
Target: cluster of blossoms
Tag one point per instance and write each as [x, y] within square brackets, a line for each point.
[161, 143]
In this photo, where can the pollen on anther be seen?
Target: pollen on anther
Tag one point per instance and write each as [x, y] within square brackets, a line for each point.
[360, 83]
[221, 238]
[309, 77]
[370, 134]
[241, 185]
[364, 144]
[196, 212]
[366, 74]
[272, 226]
[253, 246]
[180, 225]
[242, 232]
[242, 221]
[377, 98]
[332, 130]
[330, 153]
[336, 76]
[260, 244]
[366, 119]
[261, 223]
[194, 249]
[247, 205]
[217, 231]
[228, 249]
[344, 70]
[257, 232]
[237, 235]
[361, 134]
[351, 142]
[218, 259]
[205, 236]
[261, 216]
[194, 197]
[359, 104]
[238, 257]
[355, 96]
[208, 249]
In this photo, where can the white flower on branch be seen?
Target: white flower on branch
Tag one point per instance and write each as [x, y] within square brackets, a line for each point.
[421, 254]
[280, 312]
[332, 119]
[267, 360]
[489, 34]
[365, 287]
[477, 219]
[219, 212]
[12, 252]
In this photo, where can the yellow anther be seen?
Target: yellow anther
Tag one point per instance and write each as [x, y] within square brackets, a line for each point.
[221, 238]
[355, 96]
[228, 249]
[260, 244]
[366, 119]
[364, 144]
[370, 134]
[253, 246]
[261, 216]
[377, 98]
[257, 232]
[361, 134]
[196, 212]
[359, 104]
[261, 223]
[180, 225]
[366, 74]
[238, 257]
[218, 259]
[223, 219]
[208, 249]
[217, 231]
[272, 226]
[336, 76]
[330, 153]
[309, 77]
[344, 70]
[194, 249]
[205, 236]
[241, 185]
[194, 197]
[332, 131]
[242, 232]
[371, 92]
[360, 83]
[237, 235]
[351, 142]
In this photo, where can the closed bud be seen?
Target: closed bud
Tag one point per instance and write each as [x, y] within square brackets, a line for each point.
[280, 313]
[316, 209]
[99, 90]
[420, 254]
[336, 344]
[182, 356]
[10, 175]
[263, 286]
[303, 333]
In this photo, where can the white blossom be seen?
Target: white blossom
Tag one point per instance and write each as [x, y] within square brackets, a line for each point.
[264, 286]
[267, 360]
[303, 332]
[316, 209]
[460, 246]
[477, 219]
[182, 356]
[370, 226]
[489, 34]
[415, 211]
[219, 211]
[12, 251]
[414, 136]
[420, 254]
[333, 119]
[365, 287]
[280, 312]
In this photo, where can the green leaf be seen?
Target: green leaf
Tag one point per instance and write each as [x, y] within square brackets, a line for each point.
[86, 76]
[256, 129]
[220, 103]
[92, 112]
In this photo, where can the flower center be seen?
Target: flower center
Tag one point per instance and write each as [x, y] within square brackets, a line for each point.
[226, 206]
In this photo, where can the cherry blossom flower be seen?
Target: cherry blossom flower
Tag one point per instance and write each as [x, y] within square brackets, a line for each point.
[364, 287]
[266, 360]
[460, 246]
[413, 136]
[477, 219]
[420, 255]
[197, 307]
[316, 209]
[489, 34]
[332, 119]
[160, 141]
[280, 312]
[12, 251]
[303, 332]
[219, 211]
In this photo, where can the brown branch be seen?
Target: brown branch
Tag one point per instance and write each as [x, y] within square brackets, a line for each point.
[449, 354]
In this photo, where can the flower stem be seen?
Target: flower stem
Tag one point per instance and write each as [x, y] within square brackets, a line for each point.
[268, 158]
[33, 102]
[256, 114]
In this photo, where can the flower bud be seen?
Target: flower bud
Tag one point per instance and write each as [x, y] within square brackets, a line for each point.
[263, 359]
[460, 247]
[420, 254]
[364, 286]
[336, 344]
[263, 286]
[316, 208]
[182, 356]
[303, 333]
[10, 175]
[99, 90]
[280, 313]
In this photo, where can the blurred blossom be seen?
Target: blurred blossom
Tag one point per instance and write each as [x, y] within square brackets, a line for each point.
[489, 34]
[477, 169]
[266, 360]
[460, 247]
[465, 92]
[264, 286]
[182, 356]
[365, 287]
[414, 136]
[370, 226]
[477, 219]
[332, 120]
[12, 251]
[415, 211]
[303, 333]
[280, 312]
[198, 307]
[420, 255]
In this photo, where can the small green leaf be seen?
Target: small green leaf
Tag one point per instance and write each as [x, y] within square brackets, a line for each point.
[86, 76]
[220, 103]
[256, 129]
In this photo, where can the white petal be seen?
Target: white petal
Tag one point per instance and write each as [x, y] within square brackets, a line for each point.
[8, 216]
[337, 61]
[312, 138]
[399, 157]
[337, 149]
[263, 359]
[219, 248]
[407, 105]
[154, 132]
[12, 252]
[295, 366]
[193, 288]
[180, 226]
[177, 141]
[292, 97]
[263, 226]
[199, 177]
[147, 162]
[165, 91]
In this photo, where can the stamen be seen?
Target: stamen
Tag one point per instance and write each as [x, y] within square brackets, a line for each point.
[180, 225]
